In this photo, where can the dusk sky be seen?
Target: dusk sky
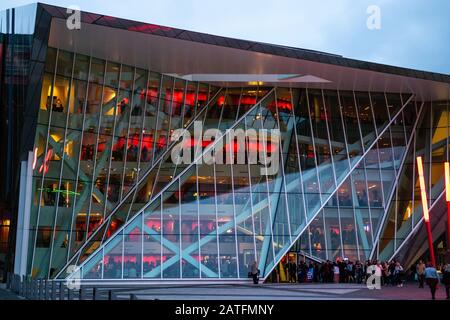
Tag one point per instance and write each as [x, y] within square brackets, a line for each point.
[413, 34]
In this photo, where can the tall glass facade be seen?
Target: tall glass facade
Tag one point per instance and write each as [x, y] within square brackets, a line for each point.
[107, 197]
[337, 169]
[101, 126]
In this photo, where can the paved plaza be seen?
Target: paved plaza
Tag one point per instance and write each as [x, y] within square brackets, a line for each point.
[281, 292]
[409, 291]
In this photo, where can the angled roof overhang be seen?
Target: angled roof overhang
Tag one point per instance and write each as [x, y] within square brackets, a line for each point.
[194, 55]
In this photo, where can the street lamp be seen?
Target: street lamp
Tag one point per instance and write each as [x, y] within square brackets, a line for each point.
[426, 213]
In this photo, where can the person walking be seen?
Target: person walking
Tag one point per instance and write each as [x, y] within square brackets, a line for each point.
[446, 279]
[432, 279]
[398, 274]
[254, 271]
[420, 270]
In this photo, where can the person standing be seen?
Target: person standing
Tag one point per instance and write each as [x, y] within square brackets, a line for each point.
[254, 270]
[432, 279]
[336, 273]
[420, 270]
[398, 274]
[446, 279]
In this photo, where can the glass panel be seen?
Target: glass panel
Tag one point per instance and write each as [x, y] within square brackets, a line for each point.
[132, 256]
[190, 227]
[351, 126]
[365, 118]
[65, 63]
[318, 237]
[171, 232]
[113, 258]
[152, 240]
[208, 220]
[321, 142]
[306, 155]
[97, 71]
[81, 69]
[394, 103]
[337, 138]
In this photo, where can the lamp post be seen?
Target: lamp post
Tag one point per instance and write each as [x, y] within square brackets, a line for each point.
[426, 214]
[447, 198]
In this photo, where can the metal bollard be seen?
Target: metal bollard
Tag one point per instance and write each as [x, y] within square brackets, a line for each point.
[133, 296]
[53, 296]
[96, 294]
[8, 280]
[69, 294]
[26, 288]
[12, 283]
[81, 294]
[33, 289]
[111, 295]
[46, 290]
[61, 291]
[41, 289]
[22, 286]
[36, 289]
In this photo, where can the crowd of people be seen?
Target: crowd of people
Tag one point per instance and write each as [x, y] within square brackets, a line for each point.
[389, 273]
[345, 271]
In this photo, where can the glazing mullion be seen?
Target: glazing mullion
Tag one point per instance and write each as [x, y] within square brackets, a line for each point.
[81, 145]
[170, 113]
[239, 105]
[184, 105]
[79, 158]
[181, 123]
[403, 120]
[157, 120]
[282, 163]
[300, 170]
[269, 202]
[44, 160]
[352, 185]
[125, 159]
[62, 166]
[161, 208]
[329, 138]
[141, 139]
[88, 217]
[217, 224]
[414, 179]
[314, 147]
[123, 249]
[344, 128]
[335, 182]
[142, 241]
[344, 131]
[198, 229]
[250, 184]
[112, 142]
[180, 236]
[234, 205]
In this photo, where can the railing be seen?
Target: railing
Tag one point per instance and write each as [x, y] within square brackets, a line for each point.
[45, 289]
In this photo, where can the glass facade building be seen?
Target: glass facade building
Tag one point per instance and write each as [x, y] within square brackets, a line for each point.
[99, 189]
